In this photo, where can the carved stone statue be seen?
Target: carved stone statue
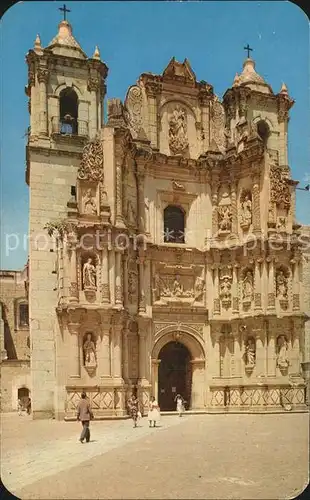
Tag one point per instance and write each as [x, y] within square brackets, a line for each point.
[281, 285]
[282, 348]
[247, 287]
[225, 290]
[89, 276]
[225, 217]
[177, 288]
[178, 140]
[132, 286]
[250, 352]
[131, 214]
[246, 211]
[199, 288]
[89, 349]
[89, 204]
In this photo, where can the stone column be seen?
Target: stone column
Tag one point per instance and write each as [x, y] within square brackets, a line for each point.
[256, 203]
[264, 283]
[117, 351]
[198, 383]
[118, 279]
[104, 352]
[119, 157]
[204, 105]
[271, 283]
[216, 299]
[75, 364]
[141, 208]
[214, 357]
[296, 288]
[257, 286]
[155, 368]
[152, 89]
[125, 356]
[142, 356]
[237, 351]
[93, 86]
[271, 350]
[295, 358]
[73, 288]
[260, 351]
[43, 79]
[142, 308]
[209, 285]
[235, 289]
[215, 187]
[125, 279]
[4, 354]
[105, 275]
[233, 194]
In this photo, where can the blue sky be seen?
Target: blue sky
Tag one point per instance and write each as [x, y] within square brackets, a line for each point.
[136, 37]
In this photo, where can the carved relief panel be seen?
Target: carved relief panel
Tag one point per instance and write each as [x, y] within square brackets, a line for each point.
[224, 210]
[130, 198]
[178, 133]
[88, 199]
[245, 209]
[178, 288]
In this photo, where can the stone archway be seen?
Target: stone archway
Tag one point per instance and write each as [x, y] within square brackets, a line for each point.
[186, 356]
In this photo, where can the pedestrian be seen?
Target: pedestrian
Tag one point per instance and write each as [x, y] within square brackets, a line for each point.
[19, 407]
[28, 407]
[180, 404]
[84, 415]
[154, 412]
[133, 408]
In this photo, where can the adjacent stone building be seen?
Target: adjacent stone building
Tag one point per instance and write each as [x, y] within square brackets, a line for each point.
[15, 340]
[165, 256]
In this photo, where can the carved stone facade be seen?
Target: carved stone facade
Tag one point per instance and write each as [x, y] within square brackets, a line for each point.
[171, 159]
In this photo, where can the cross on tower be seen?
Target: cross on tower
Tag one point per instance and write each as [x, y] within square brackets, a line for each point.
[248, 48]
[64, 10]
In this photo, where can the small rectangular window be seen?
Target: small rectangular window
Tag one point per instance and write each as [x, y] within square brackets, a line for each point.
[23, 315]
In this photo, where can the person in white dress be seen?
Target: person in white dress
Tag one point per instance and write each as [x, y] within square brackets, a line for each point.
[180, 404]
[153, 413]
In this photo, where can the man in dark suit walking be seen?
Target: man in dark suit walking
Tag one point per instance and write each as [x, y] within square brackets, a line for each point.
[84, 415]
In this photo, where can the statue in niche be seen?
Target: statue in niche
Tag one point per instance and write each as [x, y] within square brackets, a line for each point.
[132, 286]
[225, 217]
[131, 214]
[89, 204]
[178, 141]
[225, 290]
[89, 349]
[246, 210]
[89, 275]
[250, 352]
[247, 287]
[282, 347]
[199, 288]
[281, 285]
[177, 288]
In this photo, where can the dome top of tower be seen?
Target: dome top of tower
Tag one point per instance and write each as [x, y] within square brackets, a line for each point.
[65, 39]
[250, 78]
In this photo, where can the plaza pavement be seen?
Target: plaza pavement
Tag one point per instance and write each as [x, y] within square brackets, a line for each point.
[196, 456]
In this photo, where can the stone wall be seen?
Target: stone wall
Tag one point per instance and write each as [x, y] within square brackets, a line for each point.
[15, 374]
[16, 336]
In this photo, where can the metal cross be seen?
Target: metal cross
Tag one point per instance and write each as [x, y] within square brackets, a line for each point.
[248, 48]
[64, 10]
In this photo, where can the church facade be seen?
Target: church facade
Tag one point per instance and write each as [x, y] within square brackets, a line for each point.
[165, 257]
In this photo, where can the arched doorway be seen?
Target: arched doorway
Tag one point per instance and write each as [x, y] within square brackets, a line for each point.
[174, 375]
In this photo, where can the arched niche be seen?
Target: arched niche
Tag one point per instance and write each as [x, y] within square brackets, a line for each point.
[177, 129]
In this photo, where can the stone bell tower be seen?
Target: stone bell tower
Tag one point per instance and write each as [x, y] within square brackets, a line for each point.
[66, 91]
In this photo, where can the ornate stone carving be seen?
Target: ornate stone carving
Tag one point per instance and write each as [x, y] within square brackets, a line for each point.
[271, 299]
[93, 84]
[177, 186]
[89, 275]
[172, 287]
[91, 167]
[132, 286]
[281, 285]
[134, 109]
[216, 306]
[43, 74]
[247, 287]
[218, 123]
[178, 140]
[225, 287]
[118, 294]
[89, 205]
[131, 213]
[225, 218]
[116, 113]
[282, 352]
[279, 187]
[89, 350]
[281, 223]
[199, 289]
[245, 209]
[250, 353]
[73, 290]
